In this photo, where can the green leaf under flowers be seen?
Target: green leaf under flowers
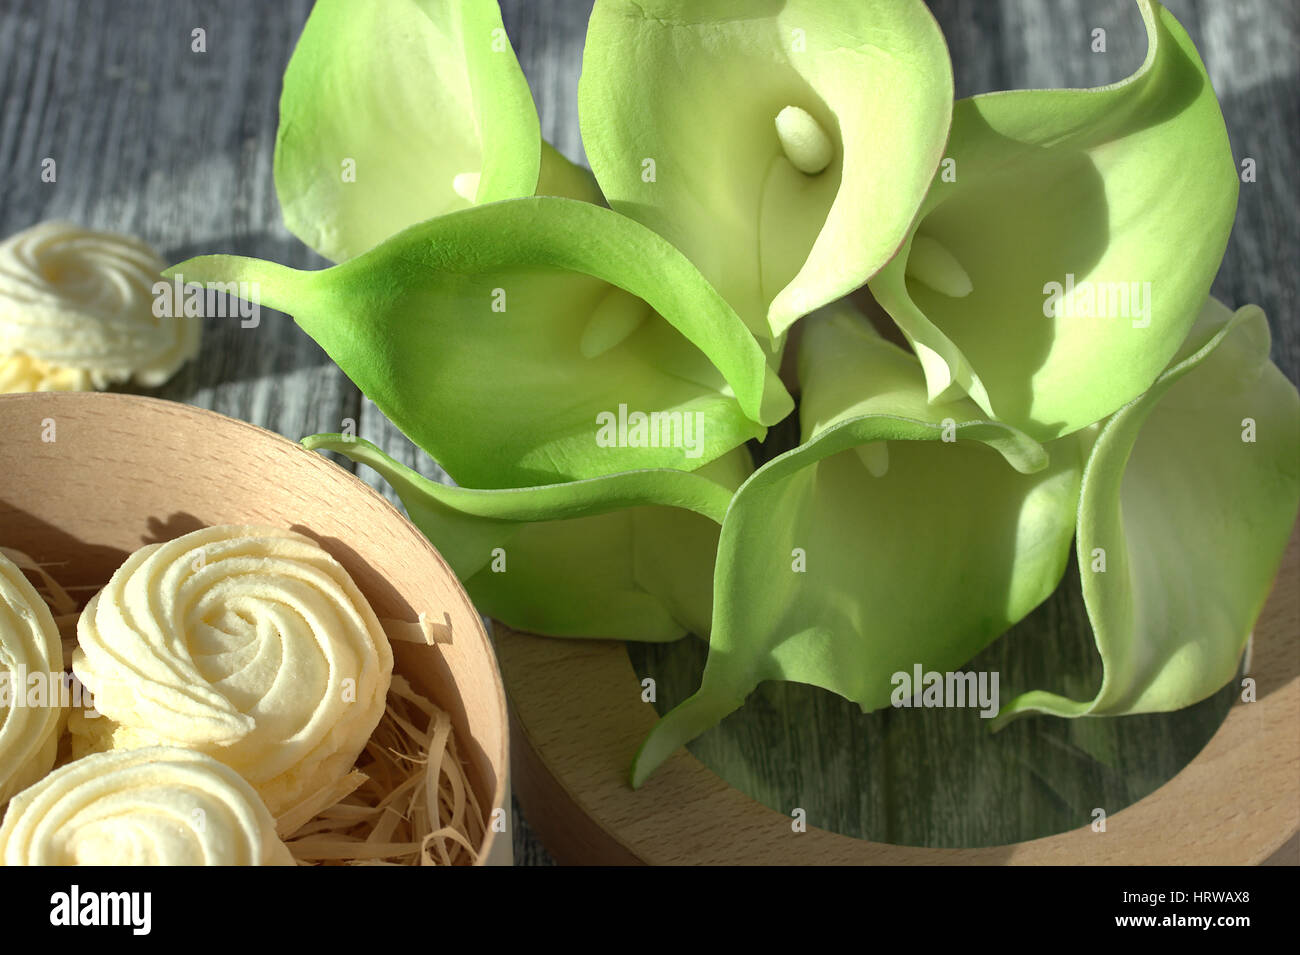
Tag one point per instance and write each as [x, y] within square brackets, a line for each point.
[697, 88]
[396, 112]
[626, 556]
[1189, 496]
[1130, 189]
[922, 558]
[500, 337]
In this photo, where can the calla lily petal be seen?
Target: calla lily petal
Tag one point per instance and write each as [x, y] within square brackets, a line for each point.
[560, 176]
[805, 589]
[1188, 499]
[396, 112]
[1059, 271]
[468, 331]
[580, 559]
[784, 147]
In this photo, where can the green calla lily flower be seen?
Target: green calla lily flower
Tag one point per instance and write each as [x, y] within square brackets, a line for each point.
[396, 112]
[531, 341]
[1057, 274]
[808, 587]
[1188, 499]
[626, 556]
[785, 147]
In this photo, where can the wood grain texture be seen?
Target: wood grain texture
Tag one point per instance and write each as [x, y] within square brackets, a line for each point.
[174, 146]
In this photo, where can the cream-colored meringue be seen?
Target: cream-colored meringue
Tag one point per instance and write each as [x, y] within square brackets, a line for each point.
[154, 806]
[251, 644]
[30, 650]
[77, 311]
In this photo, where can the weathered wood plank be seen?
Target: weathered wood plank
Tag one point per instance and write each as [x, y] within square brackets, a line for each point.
[153, 139]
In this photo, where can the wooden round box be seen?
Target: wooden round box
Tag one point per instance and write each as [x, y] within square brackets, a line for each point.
[89, 478]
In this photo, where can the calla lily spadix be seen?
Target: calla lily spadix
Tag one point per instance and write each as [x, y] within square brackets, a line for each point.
[785, 148]
[396, 112]
[1055, 276]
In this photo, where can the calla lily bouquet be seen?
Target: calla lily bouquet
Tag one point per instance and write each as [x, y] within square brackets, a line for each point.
[590, 357]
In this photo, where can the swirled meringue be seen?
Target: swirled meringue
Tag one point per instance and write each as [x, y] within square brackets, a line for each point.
[251, 644]
[29, 650]
[153, 806]
[77, 311]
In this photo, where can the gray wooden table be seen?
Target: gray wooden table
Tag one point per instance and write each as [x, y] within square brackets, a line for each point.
[153, 139]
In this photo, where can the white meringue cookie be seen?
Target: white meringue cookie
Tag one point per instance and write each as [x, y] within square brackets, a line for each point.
[77, 311]
[251, 644]
[29, 649]
[154, 806]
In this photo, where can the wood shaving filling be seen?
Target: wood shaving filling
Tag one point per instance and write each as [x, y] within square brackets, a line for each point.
[60, 601]
[407, 802]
